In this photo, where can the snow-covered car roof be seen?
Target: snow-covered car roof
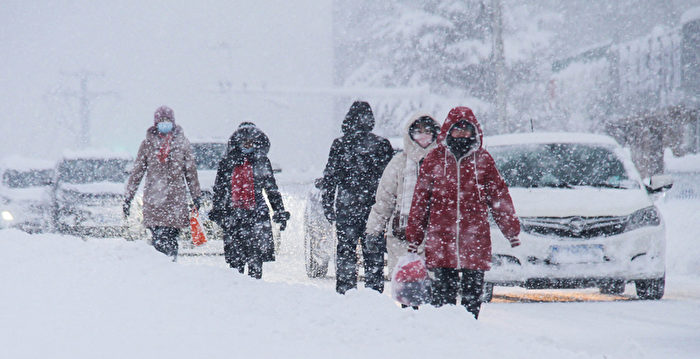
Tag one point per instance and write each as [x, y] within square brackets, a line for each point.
[20, 163]
[209, 140]
[396, 142]
[95, 154]
[548, 137]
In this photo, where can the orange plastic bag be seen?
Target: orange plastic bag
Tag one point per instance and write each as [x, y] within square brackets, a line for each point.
[198, 237]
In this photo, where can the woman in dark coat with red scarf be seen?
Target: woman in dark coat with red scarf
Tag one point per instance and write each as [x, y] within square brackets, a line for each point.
[239, 206]
[458, 186]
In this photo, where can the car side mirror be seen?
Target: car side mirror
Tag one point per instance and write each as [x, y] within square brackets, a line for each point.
[659, 183]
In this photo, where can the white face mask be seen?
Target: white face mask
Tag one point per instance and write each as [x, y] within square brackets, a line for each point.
[423, 139]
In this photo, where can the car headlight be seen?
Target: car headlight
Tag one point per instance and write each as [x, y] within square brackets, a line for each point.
[7, 216]
[68, 196]
[644, 217]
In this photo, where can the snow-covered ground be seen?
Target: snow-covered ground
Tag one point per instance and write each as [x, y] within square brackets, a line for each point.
[65, 297]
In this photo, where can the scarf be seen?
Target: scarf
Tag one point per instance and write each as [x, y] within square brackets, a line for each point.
[243, 186]
[165, 147]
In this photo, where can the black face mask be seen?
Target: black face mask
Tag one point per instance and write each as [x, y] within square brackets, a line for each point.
[460, 145]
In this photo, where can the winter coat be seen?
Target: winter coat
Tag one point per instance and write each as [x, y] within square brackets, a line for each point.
[396, 186]
[223, 211]
[452, 200]
[355, 165]
[165, 201]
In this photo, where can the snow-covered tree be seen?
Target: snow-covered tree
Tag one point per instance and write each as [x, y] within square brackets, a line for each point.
[446, 48]
[439, 45]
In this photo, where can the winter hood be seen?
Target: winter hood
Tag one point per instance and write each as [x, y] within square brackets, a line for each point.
[358, 119]
[163, 112]
[248, 130]
[456, 114]
[413, 150]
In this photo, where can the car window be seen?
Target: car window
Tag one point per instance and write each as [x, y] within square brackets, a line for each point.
[560, 165]
[208, 155]
[27, 178]
[93, 170]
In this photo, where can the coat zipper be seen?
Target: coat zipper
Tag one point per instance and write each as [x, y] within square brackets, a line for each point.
[459, 182]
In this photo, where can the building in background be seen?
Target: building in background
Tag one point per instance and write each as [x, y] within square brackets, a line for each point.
[645, 91]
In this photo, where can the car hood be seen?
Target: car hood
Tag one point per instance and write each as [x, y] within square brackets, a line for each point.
[98, 187]
[206, 179]
[31, 194]
[580, 201]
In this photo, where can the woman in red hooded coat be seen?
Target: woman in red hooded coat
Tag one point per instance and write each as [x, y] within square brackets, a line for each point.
[458, 185]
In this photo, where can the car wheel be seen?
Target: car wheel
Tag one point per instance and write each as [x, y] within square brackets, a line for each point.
[613, 287]
[650, 289]
[487, 295]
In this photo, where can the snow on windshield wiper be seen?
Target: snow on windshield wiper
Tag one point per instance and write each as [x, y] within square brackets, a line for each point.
[555, 185]
[606, 185]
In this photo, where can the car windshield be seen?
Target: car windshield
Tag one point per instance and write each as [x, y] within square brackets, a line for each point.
[208, 155]
[27, 178]
[93, 170]
[560, 165]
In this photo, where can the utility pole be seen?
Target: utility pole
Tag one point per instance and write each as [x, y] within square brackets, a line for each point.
[499, 65]
[85, 98]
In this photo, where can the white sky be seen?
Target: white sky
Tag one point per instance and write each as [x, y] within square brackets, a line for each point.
[160, 52]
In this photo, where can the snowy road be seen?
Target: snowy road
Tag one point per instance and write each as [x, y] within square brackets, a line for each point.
[581, 319]
[138, 304]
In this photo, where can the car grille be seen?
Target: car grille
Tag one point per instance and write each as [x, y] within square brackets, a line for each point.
[574, 227]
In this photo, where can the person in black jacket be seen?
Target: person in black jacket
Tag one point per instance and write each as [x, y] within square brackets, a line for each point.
[239, 206]
[355, 165]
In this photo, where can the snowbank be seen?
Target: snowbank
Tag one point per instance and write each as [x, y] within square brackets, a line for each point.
[682, 219]
[687, 163]
[65, 297]
[690, 15]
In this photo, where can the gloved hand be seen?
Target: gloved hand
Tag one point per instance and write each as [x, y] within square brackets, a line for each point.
[330, 215]
[126, 208]
[281, 217]
[197, 203]
[412, 247]
[514, 242]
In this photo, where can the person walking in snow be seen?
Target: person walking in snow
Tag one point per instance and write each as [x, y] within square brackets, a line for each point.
[355, 164]
[458, 185]
[166, 159]
[239, 206]
[395, 191]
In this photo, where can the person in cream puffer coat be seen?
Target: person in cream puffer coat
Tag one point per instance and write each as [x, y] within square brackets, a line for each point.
[393, 199]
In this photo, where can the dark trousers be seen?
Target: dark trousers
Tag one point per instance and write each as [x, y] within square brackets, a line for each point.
[165, 240]
[448, 283]
[242, 247]
[346, 258]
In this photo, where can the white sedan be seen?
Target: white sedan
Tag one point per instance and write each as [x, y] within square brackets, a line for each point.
[587, 218]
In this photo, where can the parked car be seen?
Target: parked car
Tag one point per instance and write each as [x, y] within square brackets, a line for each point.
[88, 194]
[587, 218]
[207, 154]
[25, 199]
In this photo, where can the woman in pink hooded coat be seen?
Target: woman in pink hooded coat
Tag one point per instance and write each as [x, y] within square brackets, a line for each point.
[166, 160]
